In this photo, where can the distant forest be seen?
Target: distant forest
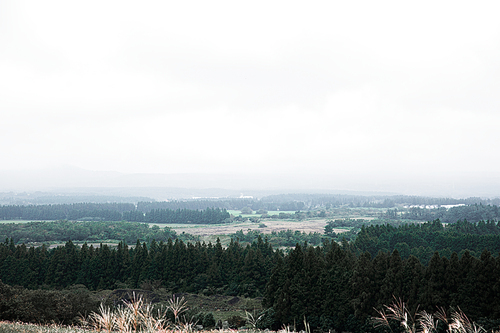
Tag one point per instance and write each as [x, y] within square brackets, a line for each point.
[473, 213]
[215, 211]
[86, 231]
[112, 212]
[294, 202]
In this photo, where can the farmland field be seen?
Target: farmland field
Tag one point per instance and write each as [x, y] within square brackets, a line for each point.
[210, 232]
[316, 225]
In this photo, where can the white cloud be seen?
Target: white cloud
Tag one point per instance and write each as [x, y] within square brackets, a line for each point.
[260, 87]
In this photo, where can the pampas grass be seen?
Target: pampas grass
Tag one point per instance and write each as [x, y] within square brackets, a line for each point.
[137, 316]
[105, 319]
[177, 306]
[423, 321]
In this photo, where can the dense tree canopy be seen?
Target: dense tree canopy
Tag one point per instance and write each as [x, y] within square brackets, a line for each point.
[335, 289]
[84, 231]
[207, 216]
[182, 267]
[112, 212]
[422, 240]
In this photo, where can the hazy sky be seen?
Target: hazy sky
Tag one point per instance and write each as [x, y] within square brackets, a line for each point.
[324, 87]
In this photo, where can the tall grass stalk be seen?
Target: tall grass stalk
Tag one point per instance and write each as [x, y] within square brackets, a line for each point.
[138, 316]
[105, 319]
[306, 326]
[251, 320]
[423, 321]
[124, 320]
[396, 311]
[459, 322]
[177, 306]
[134, 306]
[150, 322]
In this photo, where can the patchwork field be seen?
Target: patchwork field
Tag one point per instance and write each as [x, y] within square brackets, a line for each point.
[274, 225]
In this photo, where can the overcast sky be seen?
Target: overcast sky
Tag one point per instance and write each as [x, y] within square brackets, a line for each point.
[373, 88]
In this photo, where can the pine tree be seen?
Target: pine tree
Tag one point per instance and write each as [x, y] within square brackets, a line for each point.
[411, 281]
[467, 286]
[435, 290]
[361, 283]
[486, 276]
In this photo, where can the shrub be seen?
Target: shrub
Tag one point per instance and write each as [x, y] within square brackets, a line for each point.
[208, 320]
[246, 210]
[267, 320]
[236, 321]
[45, 306]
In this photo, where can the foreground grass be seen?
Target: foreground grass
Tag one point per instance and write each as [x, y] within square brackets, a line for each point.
[424, 322]
[8, 327]
[138, 315]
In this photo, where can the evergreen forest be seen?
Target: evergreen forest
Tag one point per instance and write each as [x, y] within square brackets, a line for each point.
[85, 231]
[112, 212]
[334, 285]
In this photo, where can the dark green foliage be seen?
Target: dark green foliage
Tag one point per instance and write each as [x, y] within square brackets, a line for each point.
[422, 240]
[45, 306]
[334, 289]
[112, 212]
[268, 320]
[207, 216]
[236, 321]
[83, 231]
[283, 238]
[208, 320]
[104, 211]
[180, 267]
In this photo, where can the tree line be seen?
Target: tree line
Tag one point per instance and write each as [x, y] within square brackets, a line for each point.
[333, 288]
[207, 216]
[312, 201]
[472, 213]
[87, 231]
[207, 211]
[332, 285]
[112, 212]
[181, 267]
[107, 211]
[475, 209]
[422, 240]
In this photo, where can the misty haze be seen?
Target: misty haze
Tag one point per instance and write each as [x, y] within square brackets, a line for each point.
[172, 166]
